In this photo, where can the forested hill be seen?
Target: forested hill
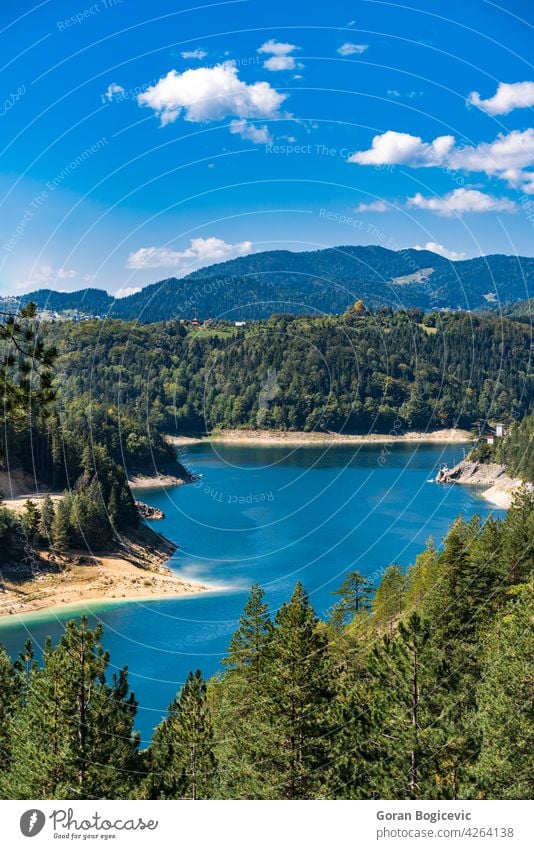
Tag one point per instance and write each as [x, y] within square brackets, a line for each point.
[323, 281]
[356, 373]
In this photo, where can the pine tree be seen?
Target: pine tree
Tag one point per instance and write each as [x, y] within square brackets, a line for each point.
[10, 700]
[47, 520]
[61, 526]
[181, 757]
[241, 717]
[74, 732]
[388, 602]
[505, 714]
[355, 593]
[299, 691]
[31, 518]
[405, 692]
[421, 576]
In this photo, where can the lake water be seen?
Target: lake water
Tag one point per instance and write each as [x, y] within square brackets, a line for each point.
[272, 514]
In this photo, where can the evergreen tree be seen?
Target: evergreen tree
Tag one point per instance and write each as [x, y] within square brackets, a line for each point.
[182, 760]
[31, 518]
[10, 696]
[388, 602]
[355, 593]
[61, 527]
[47, 520]
[299, 697]
[505, 715]
[404, 715]
[241, 717]
[74, 732]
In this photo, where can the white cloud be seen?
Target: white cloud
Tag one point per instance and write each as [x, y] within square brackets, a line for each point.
[349, 49]
[460, 201]
[258, 135]
[392, 148]
[46, 276]
[436, 248]
[210, 94]
[513, 150]
[373, 206]
[200, 252]
[111, 91]
[277, 48]
[280, 60]
[127, 290]
[508, 96]
[41, 274]
[194, 54]
[280, 63]
[505, 157]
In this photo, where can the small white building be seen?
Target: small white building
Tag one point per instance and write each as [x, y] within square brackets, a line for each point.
[500, 429]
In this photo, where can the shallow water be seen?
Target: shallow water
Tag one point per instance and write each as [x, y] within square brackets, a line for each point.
[273, 514]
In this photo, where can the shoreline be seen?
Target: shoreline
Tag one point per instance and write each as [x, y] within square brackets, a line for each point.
[136, 569]
[109, 579]
[279, 437]
[501, 488]
[155, 481]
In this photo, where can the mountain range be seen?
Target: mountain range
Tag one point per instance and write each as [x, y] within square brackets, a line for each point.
[322, 281]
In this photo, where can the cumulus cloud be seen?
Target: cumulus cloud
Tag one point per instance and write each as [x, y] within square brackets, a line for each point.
[127, 290]
[460, 201]
[210, 94]
[349, 49]
[280, 63]
[392, 148]
[193, 54]
[508, 96]
[277, 48]
[280, 60]
[373, 206]
[111, 91]
[513, 150]
[436, 248]
[250, 132]
[200, 252]
[505, 157]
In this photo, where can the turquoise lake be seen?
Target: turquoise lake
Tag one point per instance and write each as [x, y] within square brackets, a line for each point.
[272, 514]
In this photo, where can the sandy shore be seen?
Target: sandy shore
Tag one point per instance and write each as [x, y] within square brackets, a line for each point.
[276, 437]
[501, 496]
[135, 570]
[84, 579]
[154, 481]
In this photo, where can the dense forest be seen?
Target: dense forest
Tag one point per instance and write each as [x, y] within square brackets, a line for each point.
[76, 444]
[360, 372]
[323, 281]
[419, 688]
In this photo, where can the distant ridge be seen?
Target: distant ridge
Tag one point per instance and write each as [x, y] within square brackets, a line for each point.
[322, 281]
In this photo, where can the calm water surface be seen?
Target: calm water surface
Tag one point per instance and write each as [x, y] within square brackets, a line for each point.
[273, 514]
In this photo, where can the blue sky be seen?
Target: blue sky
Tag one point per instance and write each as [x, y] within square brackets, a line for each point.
[141, 141]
